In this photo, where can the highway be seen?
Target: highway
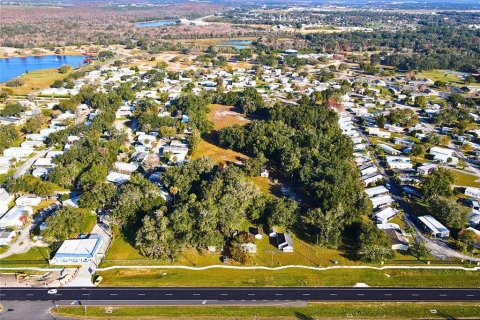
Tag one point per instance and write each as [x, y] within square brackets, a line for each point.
[138, 295]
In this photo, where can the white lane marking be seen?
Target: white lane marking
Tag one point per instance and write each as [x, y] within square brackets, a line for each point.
[196, 294]
[224, 294]
[415, 294]
[251, 294]
[305, 294]
[279, 294]
[388, 294]
[29, 294]
[85, 294]
[169, 294]
[470, 295]
[114, 294]
[442, 295]
[360, 294]
[140, 294]
[333, 294]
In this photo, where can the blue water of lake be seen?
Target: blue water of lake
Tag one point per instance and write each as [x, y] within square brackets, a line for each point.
[237, 44]
[14, 67]
[158, 23]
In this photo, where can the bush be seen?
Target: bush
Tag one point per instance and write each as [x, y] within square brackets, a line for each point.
[16, 82]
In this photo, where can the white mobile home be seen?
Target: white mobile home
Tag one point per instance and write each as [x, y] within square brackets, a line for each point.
[433, 227]
[376, 191]
[16, 217]
[381, 201]
[384, 215]
[5, 199]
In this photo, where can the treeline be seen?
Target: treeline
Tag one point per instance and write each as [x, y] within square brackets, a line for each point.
[209, 205]
[428, 47]
[308, 147]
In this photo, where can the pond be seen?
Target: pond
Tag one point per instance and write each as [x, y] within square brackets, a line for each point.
[14, 67]
[158, 23]
[237, 44]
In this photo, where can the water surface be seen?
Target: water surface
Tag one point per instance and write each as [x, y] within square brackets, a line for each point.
[158, 23]
[14, 67]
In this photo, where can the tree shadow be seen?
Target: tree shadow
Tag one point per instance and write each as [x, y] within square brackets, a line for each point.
[302, 316]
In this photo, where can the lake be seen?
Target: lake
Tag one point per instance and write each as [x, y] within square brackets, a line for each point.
[237, 44]
[14, 67]
[158, 23]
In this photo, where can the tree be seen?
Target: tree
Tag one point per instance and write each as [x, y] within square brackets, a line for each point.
[439, 183]
[329, 224]
[448, 211]
[35, 123]
[65, 68]
[280, 212]
[12, 109]
[419, 250]
[420, 102]
[381, 120]
[66, 223]
[155, 239]
[253, 166]
[403, 117]
[373, 244]
[249, 101]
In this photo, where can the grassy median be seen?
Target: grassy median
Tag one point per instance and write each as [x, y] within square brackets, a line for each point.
[341, 310]
[290, 277]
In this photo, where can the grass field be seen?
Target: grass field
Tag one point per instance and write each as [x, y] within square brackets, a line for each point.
[465, 179]
[441, 75]
[290, 277]
[217, 154]
[224, 116]
[340, 310]
[35, 257]
[122, 253]
[37, 80]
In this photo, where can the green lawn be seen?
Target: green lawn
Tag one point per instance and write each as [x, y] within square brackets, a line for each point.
[37, 80]
[290, 277]
[441, 75]
[35, 257]
[340, 310]
[465, 179]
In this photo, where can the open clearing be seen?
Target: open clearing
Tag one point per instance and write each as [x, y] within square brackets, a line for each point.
[37, 80]
[290, 277]
[340, 310]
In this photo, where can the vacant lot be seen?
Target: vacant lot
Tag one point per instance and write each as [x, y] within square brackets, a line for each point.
[340, 310]
[37, 80]
[290, 277]
[225, 116]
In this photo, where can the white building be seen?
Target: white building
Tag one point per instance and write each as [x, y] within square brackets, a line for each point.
[381, 201]
[375, 191]
[384, 215]
[78, 251]
[16, 217]
[434, 227]
[6, 236]
[389, 150]
[472, 192]
[426, 169]
[28, 201]
[118, 178]
[5, 199]
[18, 152]
[398, 162]
[444, 155]
[371, 178]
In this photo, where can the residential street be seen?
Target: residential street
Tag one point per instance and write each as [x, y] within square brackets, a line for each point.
[438, 248]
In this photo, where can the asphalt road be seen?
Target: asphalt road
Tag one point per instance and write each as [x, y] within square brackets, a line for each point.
[239, 294]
